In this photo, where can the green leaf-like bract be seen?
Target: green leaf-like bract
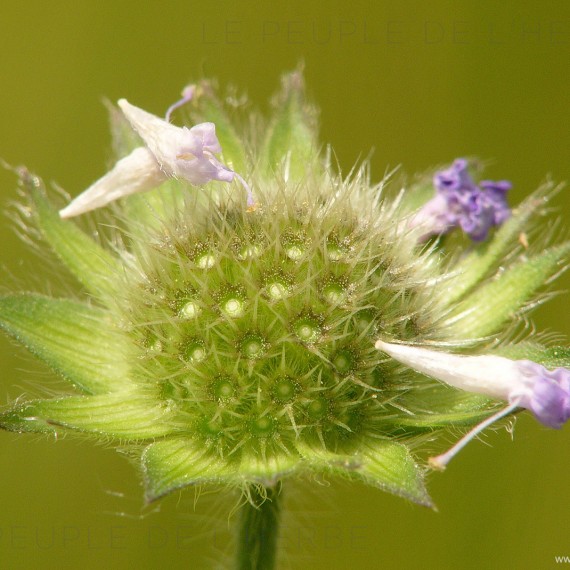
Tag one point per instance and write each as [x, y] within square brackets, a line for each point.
[94, 267]
[488, 308]
[74, 339]
[550, 357]
[175, 463]
[291, 135]
[488, 255]
[178, 462]
[386, 465]
[129, 416]
[444, 406]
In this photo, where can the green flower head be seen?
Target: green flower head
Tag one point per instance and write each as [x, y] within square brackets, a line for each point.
[254, 315]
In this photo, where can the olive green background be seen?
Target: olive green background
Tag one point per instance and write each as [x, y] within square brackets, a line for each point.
[420, 83]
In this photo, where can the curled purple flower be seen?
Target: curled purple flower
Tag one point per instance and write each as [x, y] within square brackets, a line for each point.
[547, 393]
[459, 202]
[496, 195]
[455, 178]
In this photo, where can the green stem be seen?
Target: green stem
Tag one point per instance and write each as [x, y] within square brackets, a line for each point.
[259, 528]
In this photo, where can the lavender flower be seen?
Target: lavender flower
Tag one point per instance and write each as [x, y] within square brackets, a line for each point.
[522, 383]
[546, 393]
[459, 202]
[170, 151]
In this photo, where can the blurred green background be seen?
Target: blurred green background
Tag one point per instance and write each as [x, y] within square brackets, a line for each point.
[420, 83]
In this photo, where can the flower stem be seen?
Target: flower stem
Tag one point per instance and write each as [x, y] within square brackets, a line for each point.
[258, 528]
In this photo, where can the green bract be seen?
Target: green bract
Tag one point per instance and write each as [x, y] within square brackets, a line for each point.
[235, 345]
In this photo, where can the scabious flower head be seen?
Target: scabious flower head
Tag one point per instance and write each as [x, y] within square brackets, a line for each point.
[231, 340]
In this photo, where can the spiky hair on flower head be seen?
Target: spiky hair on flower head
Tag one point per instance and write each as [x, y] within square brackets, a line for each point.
[310, 324]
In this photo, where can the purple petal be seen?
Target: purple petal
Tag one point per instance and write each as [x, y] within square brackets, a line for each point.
[206, 133]
[549, 395]
[190, 143]
[500, 187]
[455, 177]
[199, 171]
[495, 196]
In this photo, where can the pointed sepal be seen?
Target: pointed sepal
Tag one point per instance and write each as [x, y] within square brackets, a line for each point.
[76, 340]
[390, 467]
[17, 420]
